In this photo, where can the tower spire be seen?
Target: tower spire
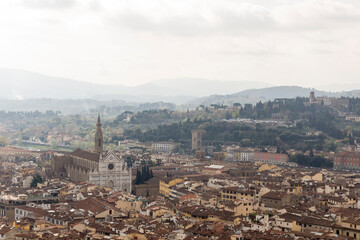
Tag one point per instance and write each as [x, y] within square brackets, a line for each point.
[98, 137]
[98, 121]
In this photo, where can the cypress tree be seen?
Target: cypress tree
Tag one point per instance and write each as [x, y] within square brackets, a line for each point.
[138, 177]
[147, 173]
[311, 153]
[143, 174]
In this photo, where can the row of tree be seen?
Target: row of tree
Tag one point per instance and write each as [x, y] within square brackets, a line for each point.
[311, 161]
[143, 175]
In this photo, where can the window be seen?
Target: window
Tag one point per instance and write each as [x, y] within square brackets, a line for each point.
[111, 166]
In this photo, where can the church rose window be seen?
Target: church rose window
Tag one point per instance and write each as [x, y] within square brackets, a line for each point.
[111, 166]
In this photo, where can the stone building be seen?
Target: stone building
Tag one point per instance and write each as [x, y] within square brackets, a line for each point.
[197, 140]
[276, 199]
[11, 153]
[312, 98]
[149, 188]
[102, 168]
[163, 147]
[112, 172]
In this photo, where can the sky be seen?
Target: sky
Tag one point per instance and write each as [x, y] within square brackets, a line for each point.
[283, 42]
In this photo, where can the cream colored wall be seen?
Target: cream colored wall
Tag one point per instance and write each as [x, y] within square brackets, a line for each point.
[127, 206]
[317, 177]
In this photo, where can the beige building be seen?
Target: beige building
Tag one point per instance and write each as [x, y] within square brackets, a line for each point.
[235, 193]
[163, 147]
[244, 208]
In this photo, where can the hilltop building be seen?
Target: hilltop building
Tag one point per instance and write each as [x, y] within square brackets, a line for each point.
[312, 97]
[342, 103]
[107, 169]
[163, 147]
[314, 100]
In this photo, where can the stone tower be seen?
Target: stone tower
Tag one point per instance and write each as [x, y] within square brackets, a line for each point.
[312, 97]
[98, 138]
[197, 139]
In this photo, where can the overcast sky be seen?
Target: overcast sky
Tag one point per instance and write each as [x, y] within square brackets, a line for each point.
[283, 42]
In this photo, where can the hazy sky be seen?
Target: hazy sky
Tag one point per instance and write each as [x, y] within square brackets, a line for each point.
[292, 42]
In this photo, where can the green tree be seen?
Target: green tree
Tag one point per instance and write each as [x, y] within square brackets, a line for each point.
[143, 174]
[311, 153]
[37, 179]
[138, 177]
[158, 162]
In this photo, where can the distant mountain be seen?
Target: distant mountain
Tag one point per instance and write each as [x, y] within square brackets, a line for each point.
[42, 92]
[255, 95]
[19, 84]
[203, 87]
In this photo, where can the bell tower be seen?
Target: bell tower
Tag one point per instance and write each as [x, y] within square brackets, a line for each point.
[98, 137]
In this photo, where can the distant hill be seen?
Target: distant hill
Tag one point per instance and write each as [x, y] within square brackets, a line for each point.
[24, 90]
[255, 95]
[202, 87]
[19, 84]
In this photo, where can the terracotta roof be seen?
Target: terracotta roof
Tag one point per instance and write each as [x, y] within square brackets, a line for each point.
[315, 221]
[94, 205]
[274, 195]
[38, 212]
[85, 154]
[27, 235]
[14, 149]
[4, 230]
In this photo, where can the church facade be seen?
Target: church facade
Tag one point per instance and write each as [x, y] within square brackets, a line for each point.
[107, 168]
[112, 172]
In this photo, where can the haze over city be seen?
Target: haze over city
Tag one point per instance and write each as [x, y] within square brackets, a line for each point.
[308, 43]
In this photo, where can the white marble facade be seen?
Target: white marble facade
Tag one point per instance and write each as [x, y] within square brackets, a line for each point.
[113, 172]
